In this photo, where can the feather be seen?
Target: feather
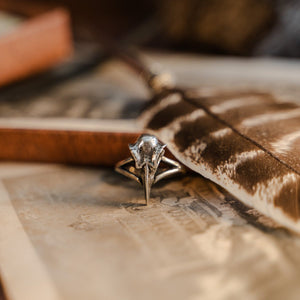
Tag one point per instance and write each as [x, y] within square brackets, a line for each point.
[246, 142]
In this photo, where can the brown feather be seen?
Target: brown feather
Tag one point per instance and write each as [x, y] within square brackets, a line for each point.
[246, 142]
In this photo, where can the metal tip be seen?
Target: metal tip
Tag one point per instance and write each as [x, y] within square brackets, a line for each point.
[147, 184]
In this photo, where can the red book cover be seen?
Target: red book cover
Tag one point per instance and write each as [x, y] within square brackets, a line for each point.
[34, 44]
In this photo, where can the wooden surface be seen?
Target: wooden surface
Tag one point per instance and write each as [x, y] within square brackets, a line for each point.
[81, 233]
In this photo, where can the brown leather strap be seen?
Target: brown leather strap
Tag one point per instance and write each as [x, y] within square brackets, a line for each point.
[65, 146]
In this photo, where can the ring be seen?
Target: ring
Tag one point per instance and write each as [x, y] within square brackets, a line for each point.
[144, 164]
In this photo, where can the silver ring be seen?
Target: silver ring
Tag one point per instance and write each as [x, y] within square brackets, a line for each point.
[143, 166]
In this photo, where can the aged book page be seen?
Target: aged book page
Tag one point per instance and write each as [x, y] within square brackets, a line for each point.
[80, 233]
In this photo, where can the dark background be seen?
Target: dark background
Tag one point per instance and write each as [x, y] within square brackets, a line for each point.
[234, 27]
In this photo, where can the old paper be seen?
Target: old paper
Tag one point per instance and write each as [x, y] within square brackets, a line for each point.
[83, 235]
